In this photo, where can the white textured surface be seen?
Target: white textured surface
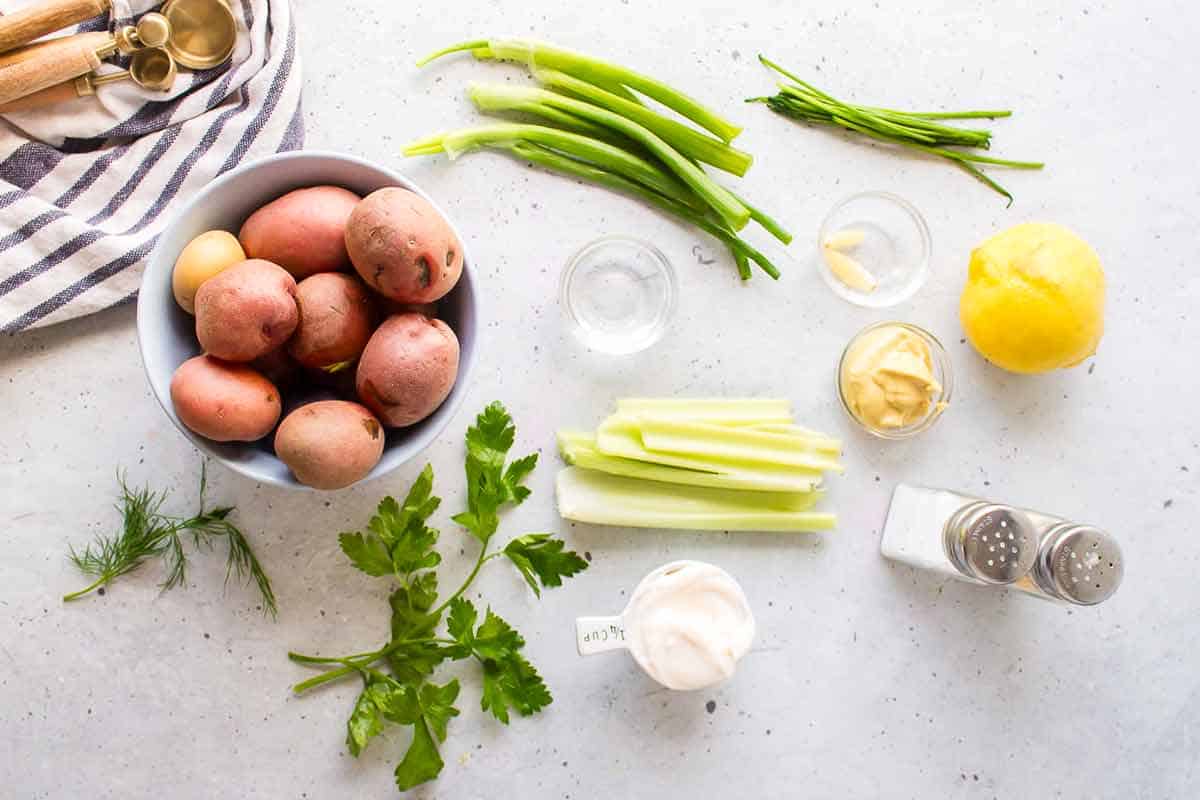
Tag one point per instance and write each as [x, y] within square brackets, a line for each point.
[868, 680]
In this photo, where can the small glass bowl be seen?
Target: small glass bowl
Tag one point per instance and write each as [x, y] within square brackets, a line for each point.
[618, 294]
[896, 248]
[942, 373]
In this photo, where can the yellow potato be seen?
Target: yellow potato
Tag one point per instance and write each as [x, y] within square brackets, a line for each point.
[202, 258]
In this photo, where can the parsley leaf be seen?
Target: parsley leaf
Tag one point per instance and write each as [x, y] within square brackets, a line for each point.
[422, 762]
[489, 485]
[366, 720]
[437, 706]
[513, 682]
[461, 622]
[398, 541]
[541, 558]
[431, 707]
[369, 553]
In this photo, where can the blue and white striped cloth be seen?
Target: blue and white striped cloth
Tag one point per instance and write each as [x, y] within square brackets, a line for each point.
[86, 187]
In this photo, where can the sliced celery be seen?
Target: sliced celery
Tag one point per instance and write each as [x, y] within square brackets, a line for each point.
[620, 439]
[738, 445]
[748, 410]
[818, 440]
[580, 450]
[595, 497]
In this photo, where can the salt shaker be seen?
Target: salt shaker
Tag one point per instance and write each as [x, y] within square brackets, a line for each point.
[974, 540]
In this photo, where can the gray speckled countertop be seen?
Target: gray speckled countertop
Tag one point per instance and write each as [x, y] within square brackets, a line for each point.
[867, 680]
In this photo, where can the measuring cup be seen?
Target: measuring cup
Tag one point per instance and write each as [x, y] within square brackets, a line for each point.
[202, 32]
[686, 625]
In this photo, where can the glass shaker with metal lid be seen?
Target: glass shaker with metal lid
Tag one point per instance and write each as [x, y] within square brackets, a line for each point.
[974, 540]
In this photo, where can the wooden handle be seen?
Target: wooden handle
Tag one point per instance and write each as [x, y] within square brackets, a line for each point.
[58, 93]
[49, 63]
[32, 22]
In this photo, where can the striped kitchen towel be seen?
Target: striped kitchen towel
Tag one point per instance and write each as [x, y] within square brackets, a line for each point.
[86, 187]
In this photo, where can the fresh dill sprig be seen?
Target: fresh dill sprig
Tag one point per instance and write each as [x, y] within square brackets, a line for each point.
[146, 532]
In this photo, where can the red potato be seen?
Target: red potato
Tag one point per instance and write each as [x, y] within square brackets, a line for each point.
[246, 311]
[304, 231]
[222, 401]
[402, 247]
[407, 369]
[337, 315]
[329, 444]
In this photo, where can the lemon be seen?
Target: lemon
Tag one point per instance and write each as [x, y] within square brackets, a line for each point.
[1034, 299]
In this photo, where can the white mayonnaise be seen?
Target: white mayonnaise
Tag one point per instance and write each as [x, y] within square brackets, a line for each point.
[687, 624]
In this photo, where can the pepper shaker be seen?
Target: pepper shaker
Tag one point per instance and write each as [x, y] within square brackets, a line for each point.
[978, 541]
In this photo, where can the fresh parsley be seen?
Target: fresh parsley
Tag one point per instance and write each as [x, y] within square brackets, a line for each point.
[399, 544]
[148, 533]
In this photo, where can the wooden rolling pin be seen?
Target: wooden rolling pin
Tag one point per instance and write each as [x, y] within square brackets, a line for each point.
[52, 62]
[33, 22]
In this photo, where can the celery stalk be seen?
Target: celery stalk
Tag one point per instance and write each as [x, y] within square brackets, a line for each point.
[579, 449]
[624, 441]
[721, 410]
[738, 445]
[818, 441]
[491, 97]
[595, 497]
[593, 70]
[689, 141]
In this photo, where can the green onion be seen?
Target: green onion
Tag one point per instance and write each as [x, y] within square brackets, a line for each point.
[688, 141]
[611, 77]
[912, 129]
[493, 97]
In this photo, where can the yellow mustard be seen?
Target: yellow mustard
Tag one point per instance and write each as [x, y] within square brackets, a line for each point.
[887, 378]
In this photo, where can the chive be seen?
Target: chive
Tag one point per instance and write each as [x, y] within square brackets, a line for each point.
[916, 130]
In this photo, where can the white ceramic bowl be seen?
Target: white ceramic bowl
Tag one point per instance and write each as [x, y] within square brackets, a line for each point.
[166, 333]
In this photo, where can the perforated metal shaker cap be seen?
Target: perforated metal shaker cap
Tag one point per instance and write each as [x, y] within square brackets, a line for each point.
[1079, 563]
[991, 543]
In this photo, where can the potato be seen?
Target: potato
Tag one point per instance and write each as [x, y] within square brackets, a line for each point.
[304, 231]
[337, 315]
[407, 368]
[329, 444]
[222, 401]
[202, 258]
[246, 311]
[402, 247]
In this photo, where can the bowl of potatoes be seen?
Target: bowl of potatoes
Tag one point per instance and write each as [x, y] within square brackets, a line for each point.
[309, 320]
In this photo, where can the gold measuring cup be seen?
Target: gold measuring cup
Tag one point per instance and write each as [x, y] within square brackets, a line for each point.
[150, 67]
[202, 33]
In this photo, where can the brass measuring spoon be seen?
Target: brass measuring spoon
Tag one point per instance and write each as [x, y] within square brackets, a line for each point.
[150, 67]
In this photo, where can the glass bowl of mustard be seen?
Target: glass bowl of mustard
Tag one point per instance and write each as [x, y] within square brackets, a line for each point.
[894, 379]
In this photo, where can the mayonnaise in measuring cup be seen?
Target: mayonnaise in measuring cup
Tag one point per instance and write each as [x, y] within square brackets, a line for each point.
[687, 624]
